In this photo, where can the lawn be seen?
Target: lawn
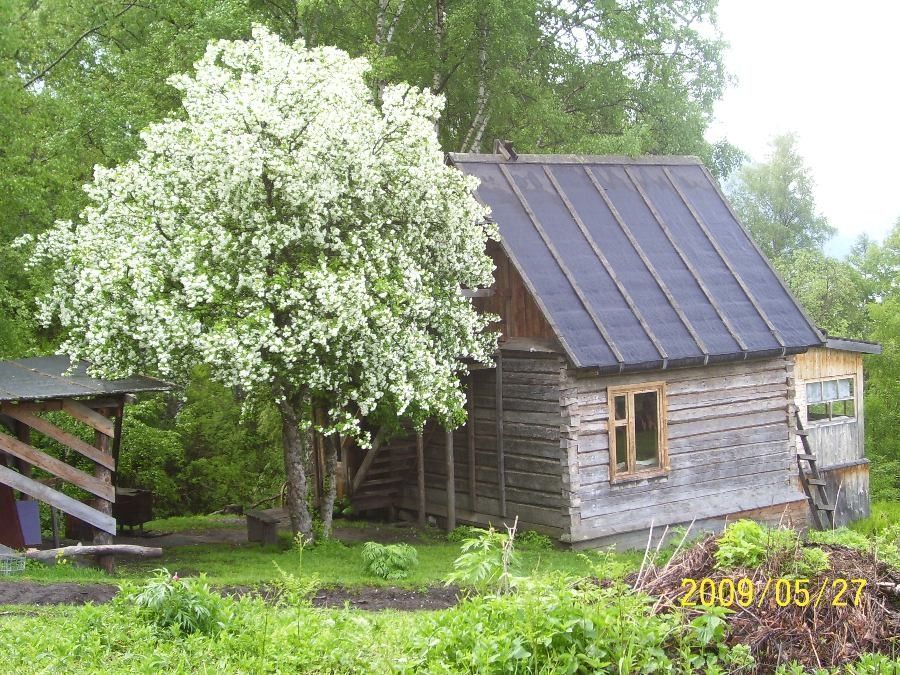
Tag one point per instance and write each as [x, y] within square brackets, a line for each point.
[333, 563]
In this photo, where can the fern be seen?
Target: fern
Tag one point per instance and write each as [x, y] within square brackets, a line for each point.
[391, 562]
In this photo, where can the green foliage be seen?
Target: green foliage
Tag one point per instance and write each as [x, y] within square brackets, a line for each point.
[746, 543]
[557, 625]
[392, 561]
[534, 541]
[775, 201]
[487, 562]
[461, 533]
[805, 563]
[182, 605]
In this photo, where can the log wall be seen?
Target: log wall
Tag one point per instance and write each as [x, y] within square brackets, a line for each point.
[730, 445]
[533, 476]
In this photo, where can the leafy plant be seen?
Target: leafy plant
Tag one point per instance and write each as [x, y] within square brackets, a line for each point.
[806, 562]
[746, 543]
[392, 561]
[534, 541]
[186, 605]
[487, 562]
[461, 533]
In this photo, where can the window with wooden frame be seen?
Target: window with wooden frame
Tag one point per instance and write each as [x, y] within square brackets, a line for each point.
[637, 431]
[830, 400]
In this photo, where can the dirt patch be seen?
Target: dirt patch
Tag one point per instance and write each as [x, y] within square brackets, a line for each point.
[27, 593]
[370, 598]
[376, 599]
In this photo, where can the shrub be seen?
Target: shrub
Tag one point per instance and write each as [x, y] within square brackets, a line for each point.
[487, 562]
[534, 540]
[746, 543]
[391, 562]
[185, 605]
[461, 533]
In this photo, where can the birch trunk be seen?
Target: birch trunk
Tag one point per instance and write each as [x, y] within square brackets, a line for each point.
[330, 446]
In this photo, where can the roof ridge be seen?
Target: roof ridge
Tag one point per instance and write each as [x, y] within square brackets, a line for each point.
[658, 160]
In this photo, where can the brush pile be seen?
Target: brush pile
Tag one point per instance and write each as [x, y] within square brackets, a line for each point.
[780, 624]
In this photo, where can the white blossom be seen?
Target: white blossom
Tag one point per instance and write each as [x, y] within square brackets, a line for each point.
[283, 229]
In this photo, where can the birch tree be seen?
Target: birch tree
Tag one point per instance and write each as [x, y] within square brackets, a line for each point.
[304, 244]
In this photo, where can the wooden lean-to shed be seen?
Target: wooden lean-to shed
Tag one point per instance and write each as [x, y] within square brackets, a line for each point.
[646, 372]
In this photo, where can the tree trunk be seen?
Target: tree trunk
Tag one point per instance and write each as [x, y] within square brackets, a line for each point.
[295, 458]
[330, 445]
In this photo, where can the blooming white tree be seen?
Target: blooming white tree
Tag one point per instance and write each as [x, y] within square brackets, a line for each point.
[303, 242]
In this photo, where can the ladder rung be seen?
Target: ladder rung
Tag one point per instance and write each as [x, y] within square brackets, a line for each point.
[825, 507]
[806, 457]
[816, 481]
[801, 432]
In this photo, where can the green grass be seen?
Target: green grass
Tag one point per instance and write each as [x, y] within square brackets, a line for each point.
[184, 523]
[883, 514]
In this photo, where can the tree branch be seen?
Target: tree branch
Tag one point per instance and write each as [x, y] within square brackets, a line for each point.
[77, 42]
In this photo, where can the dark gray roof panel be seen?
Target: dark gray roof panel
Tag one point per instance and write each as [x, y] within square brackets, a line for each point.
[45, 378]
[638, 263]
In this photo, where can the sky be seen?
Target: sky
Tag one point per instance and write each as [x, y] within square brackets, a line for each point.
[830, 72]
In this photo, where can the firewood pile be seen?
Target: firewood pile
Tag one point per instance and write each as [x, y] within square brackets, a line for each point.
[831, 626]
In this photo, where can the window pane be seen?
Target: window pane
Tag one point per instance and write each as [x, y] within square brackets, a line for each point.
[621, 449]
[817, 411]
[814, 392]
[646, 430]
[620, 407]
[829, 390]
[843, 408]
[845, 388]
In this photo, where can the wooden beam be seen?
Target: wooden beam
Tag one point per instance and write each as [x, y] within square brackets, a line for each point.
[501, 455]
[368, 458]
[63, 502]
[451, 483]
[420, 471]
[64, 437]
[23, 433]
[70, 474]
[470, 428]
[117, 440]
[104, 476]
[90, 417]
[50, 556]
[31, 406]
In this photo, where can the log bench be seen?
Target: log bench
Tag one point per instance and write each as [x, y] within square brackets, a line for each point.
[262, 526]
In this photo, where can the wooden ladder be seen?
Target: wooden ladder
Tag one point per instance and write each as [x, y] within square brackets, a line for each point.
[812, 481]
[379, 482]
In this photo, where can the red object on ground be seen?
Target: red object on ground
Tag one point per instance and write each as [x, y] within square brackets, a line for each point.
[10, 529]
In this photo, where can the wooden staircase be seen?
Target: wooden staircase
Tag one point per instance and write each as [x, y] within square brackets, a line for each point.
[813, 483]
[385, 469]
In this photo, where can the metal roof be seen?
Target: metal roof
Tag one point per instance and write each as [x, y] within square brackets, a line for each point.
[47, 378]
[852, 345]
[638, 264]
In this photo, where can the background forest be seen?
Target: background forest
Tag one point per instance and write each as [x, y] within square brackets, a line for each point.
[79, 80]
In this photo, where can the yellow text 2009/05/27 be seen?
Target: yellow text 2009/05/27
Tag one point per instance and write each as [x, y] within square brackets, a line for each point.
[744, 592]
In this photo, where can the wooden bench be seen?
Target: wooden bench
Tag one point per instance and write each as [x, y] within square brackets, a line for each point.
[262, 526]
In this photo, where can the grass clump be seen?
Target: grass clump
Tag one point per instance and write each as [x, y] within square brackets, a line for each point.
[746, 543]
[391, 562]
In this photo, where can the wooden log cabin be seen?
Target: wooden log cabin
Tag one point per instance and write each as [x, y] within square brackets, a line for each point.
[647, 370]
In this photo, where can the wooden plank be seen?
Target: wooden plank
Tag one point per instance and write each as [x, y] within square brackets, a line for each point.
[368, 458]
[90, 417]
[70, 474]
[63, 502]
[470, 437]
[69, 440]
[500, 424]
[420, 476]
[104, 476]
[451, 482]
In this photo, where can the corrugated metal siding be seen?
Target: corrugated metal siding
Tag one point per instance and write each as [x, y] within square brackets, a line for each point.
[640, 264]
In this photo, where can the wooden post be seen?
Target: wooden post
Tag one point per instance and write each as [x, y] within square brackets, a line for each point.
[101, 442]
[470, 427]
[23, 433]
[420, 470]
[451, 484]
[117, 441]
[54, 521]
[501, 461]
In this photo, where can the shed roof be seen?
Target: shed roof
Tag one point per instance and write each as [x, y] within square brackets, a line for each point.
[638, 264]
[46, 378]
